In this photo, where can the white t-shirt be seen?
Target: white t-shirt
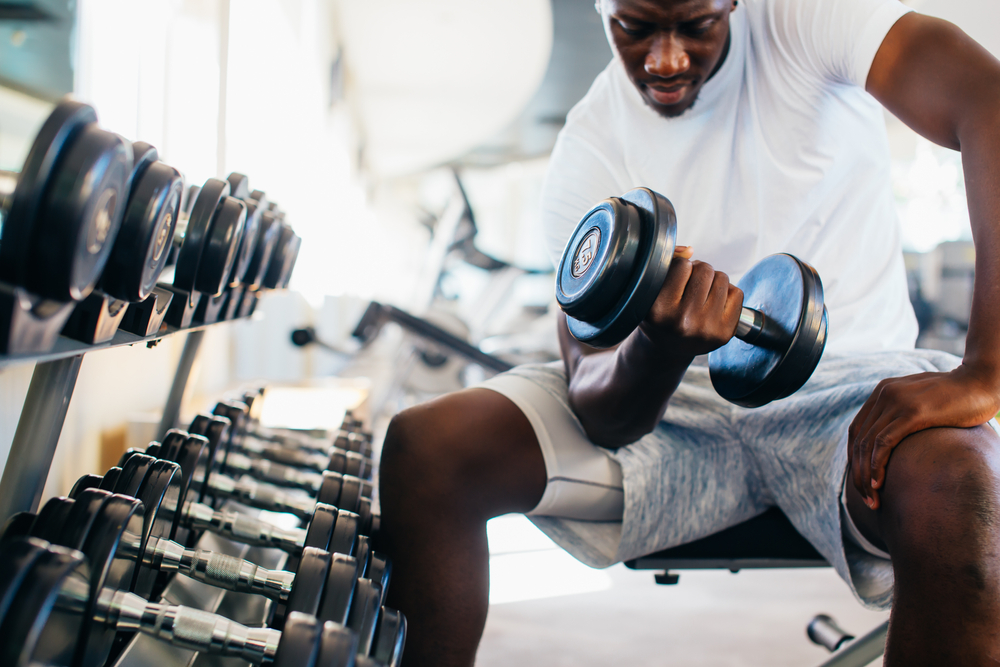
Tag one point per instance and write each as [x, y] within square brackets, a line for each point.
[783, 151]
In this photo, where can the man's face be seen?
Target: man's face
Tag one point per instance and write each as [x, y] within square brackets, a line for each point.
[670, 48]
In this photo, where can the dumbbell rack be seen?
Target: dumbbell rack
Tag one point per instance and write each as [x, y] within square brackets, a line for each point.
[30, 459]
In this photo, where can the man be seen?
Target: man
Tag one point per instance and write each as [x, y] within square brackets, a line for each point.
[753, 118]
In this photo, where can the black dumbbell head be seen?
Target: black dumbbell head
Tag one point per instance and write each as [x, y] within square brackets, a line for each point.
[790, 294]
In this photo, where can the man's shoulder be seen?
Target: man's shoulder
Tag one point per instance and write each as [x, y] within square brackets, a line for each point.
[605, 99]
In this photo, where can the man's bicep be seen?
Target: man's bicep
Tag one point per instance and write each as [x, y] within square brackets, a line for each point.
[934, 77]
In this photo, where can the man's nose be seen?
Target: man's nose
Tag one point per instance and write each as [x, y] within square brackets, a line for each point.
[667, 57]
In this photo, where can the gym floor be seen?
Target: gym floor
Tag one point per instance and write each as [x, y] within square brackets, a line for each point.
[548, 609]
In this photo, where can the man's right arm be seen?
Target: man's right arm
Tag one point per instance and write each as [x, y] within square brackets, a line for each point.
[621, 393]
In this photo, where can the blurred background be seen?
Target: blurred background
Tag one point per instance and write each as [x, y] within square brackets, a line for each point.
[407, 141]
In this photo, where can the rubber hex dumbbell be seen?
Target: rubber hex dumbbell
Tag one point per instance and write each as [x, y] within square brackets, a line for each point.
[71, 605]
[355, 587]
[242, 279]
[58, 220]
[614, 267]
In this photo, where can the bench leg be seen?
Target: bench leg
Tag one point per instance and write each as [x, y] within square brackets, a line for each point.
[861, 651]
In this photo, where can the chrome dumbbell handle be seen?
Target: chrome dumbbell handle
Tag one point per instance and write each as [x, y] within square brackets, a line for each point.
[219, 570]
[249, 491]
[242, 528]
[189, 628]
[274, 473]
[287, 456]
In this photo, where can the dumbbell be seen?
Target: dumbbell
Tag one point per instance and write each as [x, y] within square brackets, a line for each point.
[137, 257]
[258, 243]
[140, 251]
[61, 213]
[257, 460]
[67, 606]
[346, 439]
[342, 491]
[253, 399]
[324, 585]
[341, 578]
[614, 266]
[241, 451]
[208, 239]
[328, 528]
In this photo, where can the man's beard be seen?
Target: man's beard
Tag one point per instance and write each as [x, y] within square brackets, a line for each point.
[668, 114]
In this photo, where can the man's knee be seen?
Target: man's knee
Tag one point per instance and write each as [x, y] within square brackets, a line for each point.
[943, 489]
[473, 447]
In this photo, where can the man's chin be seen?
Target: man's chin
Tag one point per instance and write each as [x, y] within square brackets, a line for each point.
[674, 110]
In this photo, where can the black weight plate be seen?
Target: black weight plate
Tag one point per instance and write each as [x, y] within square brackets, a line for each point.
[220, 252]
[338, 592]
[160, 495]
[216, 430]
[112, 547]
[279, 270]
[310, 576]
[790, 295]
[248, 243]
[154, 450]
[364, 614]
[17, 526]
[133, 473]
[267, 237]
[190, 197]
[366, 516]
[380, 571]
[239, 185]
[171, 446]
[49, 523]
[80, 216]
[338, 461]
[193, 458]
[132, 451]
[57, 133]
[363, 552]
[143, 155]
[330, 488]
[350, 495]
[656, 250]
[85, 482]
[598, 260]
[337, 647]
[16, 559]
[321, 526]
[389, 638]
[358, 465]
[141, 250]
[80, 520]
[299, 643]
[110, 478]
[44, 629]
[196, 236]
[345, 533]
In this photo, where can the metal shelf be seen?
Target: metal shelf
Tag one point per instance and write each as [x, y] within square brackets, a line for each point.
[67, 347]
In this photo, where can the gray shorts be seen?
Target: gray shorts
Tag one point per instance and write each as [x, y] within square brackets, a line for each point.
[710, 465]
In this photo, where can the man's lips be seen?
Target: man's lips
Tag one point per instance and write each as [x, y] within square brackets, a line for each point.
[668, 95]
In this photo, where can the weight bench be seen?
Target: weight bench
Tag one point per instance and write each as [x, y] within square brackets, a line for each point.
[765, 541]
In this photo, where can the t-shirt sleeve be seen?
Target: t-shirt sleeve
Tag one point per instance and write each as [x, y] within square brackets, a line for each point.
[833, 39]
[579, 176]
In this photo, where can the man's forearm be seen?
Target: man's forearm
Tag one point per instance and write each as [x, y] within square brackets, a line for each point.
[980, 142]
[619, 395]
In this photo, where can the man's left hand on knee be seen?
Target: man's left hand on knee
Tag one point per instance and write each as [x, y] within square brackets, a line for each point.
[899, 407]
